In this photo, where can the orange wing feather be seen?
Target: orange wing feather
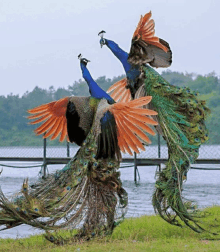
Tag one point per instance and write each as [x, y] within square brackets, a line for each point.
[119, 92]
[145, 31]
[54, 116]
[132, 123]
[132, 128]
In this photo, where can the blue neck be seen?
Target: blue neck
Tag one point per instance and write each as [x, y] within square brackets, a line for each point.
[119, 53]
[94, 89]
[131, 71]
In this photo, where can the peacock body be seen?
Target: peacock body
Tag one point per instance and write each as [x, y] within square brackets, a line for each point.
[88, 190]
[181, 115]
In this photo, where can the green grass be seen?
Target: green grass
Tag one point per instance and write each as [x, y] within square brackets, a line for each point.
[147, 233]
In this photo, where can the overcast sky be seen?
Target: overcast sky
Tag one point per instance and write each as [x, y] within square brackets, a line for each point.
[40, 39]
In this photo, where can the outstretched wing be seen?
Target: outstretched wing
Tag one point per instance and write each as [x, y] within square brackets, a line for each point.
[119, 92]
[69, 117]
[123, 127]
[147, 48]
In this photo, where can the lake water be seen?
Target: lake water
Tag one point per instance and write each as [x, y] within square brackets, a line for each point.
[203, 186]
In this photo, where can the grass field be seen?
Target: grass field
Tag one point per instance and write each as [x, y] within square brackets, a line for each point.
[147, 233]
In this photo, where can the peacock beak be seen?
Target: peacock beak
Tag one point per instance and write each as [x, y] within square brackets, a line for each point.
[102, 40]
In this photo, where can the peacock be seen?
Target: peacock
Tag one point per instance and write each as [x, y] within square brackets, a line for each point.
[181, 115]
[88, 190]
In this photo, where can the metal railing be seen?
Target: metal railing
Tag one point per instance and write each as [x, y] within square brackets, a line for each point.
[153, 156]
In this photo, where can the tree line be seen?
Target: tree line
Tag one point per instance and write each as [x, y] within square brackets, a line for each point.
[15, 130]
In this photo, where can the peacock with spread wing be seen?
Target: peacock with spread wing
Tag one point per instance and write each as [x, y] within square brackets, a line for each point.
[181, 115]
[88, 190]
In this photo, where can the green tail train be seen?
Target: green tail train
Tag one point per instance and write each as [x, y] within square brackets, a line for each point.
[86, 191]
[181, 117]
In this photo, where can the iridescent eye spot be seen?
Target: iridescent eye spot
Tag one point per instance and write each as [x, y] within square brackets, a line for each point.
[110, 164]
[51, 238]
[68, 188]
[36, 209]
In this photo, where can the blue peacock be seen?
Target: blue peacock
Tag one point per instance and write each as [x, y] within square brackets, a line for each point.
[181, 115]
[88, 190]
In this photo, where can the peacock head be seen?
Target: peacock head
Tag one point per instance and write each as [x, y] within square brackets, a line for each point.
[102, 40]
[84, 61]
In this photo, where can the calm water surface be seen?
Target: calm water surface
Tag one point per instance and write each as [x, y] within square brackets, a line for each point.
[203, 186]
